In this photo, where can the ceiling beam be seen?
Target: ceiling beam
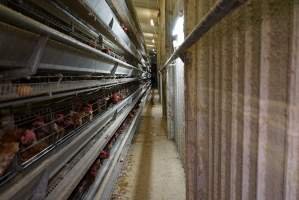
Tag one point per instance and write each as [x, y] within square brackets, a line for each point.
[150, 45]
[149, 35]
[148, 28]
[146, 4]
[147, 14]
[150, 40]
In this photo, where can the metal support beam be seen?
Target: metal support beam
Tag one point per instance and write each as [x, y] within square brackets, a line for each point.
[33, 62]
[114, 69]
[37, 54]
[216, 14]
[12, 17]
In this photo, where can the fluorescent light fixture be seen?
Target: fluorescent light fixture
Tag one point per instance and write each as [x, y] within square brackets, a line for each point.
[178, 27]
[152, 22]
[178, 32]
[149, 35]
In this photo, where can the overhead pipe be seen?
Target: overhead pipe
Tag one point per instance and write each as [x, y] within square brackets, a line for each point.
[221, 9]
[10, 16]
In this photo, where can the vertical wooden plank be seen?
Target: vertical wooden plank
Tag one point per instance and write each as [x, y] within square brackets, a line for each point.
[169, 102]
[202, 125]
[163, 37]
[226, 107]
[211, 114]
[191, 103]
[191, 129]
[203, 106]
[191, 149]
[292, 160]
[212, 59]
[273, 99]
[251, 99]
[217, 108]
[237, 106]
[180, 105]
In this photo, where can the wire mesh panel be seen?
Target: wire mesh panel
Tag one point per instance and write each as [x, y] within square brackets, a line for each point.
[60, 97]
[9, 91]
[105, 155]
[39, 127]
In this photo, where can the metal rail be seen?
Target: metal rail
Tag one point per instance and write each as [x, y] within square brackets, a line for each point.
[104, 190]
[9, 91]
[10, 16]
[105, 18]
[71, 179]
[23, 184]
[215, 15]
[56, 94]
[106, 186]
[101, 175]
[104, 168]
[125, 14]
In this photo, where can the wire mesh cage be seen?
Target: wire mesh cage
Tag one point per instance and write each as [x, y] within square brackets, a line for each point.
[39, 127]
[47, 85]
[87, 181]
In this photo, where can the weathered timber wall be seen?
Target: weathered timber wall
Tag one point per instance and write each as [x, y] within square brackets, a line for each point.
[242, 96]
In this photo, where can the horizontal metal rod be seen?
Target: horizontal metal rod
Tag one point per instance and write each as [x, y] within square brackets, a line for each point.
[12, 17]
[21, 187]
[215, 15]
[89, 28]
[64, 188]
[46, 96]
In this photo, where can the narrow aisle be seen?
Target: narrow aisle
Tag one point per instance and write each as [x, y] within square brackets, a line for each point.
[153, 170]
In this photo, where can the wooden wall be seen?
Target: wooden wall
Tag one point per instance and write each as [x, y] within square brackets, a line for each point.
[242, 96]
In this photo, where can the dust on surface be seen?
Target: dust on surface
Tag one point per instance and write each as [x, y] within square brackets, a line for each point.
[153, 170]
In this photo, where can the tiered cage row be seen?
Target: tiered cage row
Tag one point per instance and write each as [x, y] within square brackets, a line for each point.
[67, 74]
[34, 130]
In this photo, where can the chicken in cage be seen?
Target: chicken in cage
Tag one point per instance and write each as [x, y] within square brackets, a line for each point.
[104, 155]
[66, 85]
[35, 128]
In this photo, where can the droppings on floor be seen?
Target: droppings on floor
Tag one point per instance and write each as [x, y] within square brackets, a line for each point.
[153, 170]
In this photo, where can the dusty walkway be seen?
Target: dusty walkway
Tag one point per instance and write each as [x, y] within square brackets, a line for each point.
[153, 170]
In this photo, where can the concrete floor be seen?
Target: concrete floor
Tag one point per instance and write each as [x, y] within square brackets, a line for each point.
[153, 170]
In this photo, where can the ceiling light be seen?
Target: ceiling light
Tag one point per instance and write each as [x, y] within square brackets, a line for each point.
[150, 45]
[152, 22]
[153, 41]
[148, 35]
[178, 32]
